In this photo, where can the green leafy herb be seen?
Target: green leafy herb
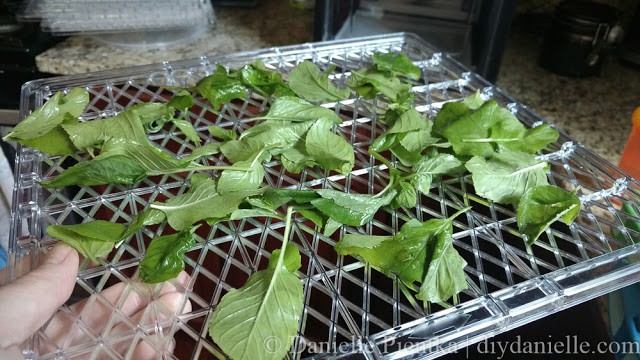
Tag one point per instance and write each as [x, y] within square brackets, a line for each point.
[420, 253]
[490, 128]
[249, 175]
[88, 135]
[92, 239]
[123, 161]
[397, 64]
[117, 169]
[428, 168]
[506, 176]
[330, 150]
[267, 308]
[369, 84]
[351, 209]
[56, 141]
[163, 259]
[259, 78]
[50, 115]
[204, 150]
[290, 108]
[222, 133]
[445, 267]
[311, 84]
[540, 206]
[220, 88]
[202, 201]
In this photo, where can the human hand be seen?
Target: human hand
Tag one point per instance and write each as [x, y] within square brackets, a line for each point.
[27, 303]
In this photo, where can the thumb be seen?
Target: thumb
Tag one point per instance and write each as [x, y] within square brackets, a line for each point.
[27, 303]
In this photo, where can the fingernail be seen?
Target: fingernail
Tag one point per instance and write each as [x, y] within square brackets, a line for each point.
[58, 254]
[183, 278]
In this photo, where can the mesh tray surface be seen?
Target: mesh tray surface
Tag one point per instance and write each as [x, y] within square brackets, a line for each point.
[350, 308]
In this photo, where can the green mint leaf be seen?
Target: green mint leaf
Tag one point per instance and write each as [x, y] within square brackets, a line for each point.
[56, 141]
[277, 136]
[471, 134]
[420, 253]
[473, 101]
[92, 240]
[351, 209]
[297, 196]
[316, 217]
[253, 213]
[417, 141]
[222, 133]
[506, 176]
[153, 160]
[208, 149]
[259, 78]
[181, 100]
[329, 150]
[427, 168]
[406, 197]
[236, 150]
[51, 114]
[311, 84]
[445, 270]
[411, 120]
[406, 157]
[187, 129]
[122, 161]
[538, 138]
[291, 259]
[369, 84]
[163, 259]
[267, 308]
[294, 109]
[268, 200]
[385, 142]
[202, 201]
[152, 115]
[448, 114]
[87, 135]
[118, 169]
[249, 176]
[397, 64]
[382, 252]
[296, 158]
[540, 206]
[220, 88]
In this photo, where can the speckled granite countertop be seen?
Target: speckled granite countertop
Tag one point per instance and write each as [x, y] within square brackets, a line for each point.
[595, 111]
[274, 23]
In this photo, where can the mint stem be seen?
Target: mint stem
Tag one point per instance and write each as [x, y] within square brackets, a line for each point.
[459, 212]
[490, 140]
[287, 231]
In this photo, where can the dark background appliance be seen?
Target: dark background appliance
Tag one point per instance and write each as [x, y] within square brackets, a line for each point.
[473, 31]
[19, 45]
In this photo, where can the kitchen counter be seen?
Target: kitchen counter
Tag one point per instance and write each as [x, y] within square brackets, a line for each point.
[274, 23]
[595, 111]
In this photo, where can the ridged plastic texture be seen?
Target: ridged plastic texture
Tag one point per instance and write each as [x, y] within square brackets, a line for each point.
[345, 301]
[104, 16]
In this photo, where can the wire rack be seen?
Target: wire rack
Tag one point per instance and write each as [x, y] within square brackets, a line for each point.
[350, 310]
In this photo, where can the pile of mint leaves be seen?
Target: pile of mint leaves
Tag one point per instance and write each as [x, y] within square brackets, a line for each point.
[473, 138]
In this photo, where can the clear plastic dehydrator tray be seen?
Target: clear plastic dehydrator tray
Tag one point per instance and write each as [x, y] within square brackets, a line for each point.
[350, 310]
